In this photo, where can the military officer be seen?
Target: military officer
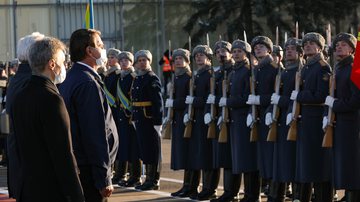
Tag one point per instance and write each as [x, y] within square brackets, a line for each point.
[179, 144]
[265, 74]
[346, 105]
[313, 161]
[243, 152]
[128, 146]
[285, 151]
[222, 151]
[201, 148]
[147, 117]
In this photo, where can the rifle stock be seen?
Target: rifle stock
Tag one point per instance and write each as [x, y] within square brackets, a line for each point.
[167, 126]
[211, 133]
[329, 130]
[223, 135]
[188, 125]
[272, 134]
[292, 132]
[254, 136]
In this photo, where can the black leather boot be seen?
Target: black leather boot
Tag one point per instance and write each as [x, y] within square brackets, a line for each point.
[120, 173]
[323, 191]
[251, 187]
[305, 192]
[186, 184]
[210, 183]
[135, 174]
[277, 191]
[152, 178]
[231, 186]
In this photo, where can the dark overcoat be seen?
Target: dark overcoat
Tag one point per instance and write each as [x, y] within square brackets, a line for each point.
[313, 162]
[42, 131]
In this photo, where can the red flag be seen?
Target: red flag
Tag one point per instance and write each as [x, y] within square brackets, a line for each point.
[355, 72]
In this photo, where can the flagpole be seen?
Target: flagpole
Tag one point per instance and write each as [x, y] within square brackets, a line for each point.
[91, 3]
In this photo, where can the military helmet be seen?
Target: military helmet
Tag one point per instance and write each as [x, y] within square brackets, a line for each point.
[262, 40]
[245, 46]
[113, 52]
[222, 44]
[205, 49]
[127, 55]
[143, 53]
[278, 51]
[348, 38]
[183, 53]
[295, 42]
[315, 37]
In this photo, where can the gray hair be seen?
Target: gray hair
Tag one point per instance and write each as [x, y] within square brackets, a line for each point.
[23, 46]
[42, 51]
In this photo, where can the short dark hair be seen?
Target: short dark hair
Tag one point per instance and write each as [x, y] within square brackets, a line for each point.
[79, 40]
[41, 52]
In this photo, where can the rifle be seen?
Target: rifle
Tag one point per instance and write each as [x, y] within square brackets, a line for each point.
[329, 129]
[292, 132]
[275, 113]
[223, 135]
[167, 126]
[212, 125]
[188, 125]
[254, 132]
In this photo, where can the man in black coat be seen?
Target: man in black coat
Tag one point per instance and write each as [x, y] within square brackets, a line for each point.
[42, 130]
[93, 129]
[15, 85]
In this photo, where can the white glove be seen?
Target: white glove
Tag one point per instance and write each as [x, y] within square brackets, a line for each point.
[186, 118]
[133, 122]
[189, 99]
[210, 99]
[268, 119]
[158, 129]
[329, 101]
[169, 103]
[294, 94]
[325, 122]
[249, 120]
[220, 120]
[222, 102]
[275, 98]
[207, 118]
[253, 100]
[289, 118]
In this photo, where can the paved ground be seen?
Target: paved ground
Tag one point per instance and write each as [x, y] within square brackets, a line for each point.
[170, 182]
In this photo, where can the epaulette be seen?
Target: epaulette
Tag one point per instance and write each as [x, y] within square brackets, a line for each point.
[247, 66]
[323, 63]
[274, 64]
[151, 73]
[133, 74]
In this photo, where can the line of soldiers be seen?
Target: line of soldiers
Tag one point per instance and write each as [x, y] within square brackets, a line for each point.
[134, 95]
[252, 95]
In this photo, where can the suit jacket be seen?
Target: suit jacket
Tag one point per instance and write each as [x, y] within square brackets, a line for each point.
[42, 131]
[93, 130]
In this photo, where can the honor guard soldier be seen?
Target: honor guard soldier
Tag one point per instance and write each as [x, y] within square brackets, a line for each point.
[265, 73]
[222, 150]
[179, 144]
[110, 79]
[128, 155]
[200, 147]
[284, 150]
[346, 105]
[243, 152]
[313, 161]
[147, 117]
